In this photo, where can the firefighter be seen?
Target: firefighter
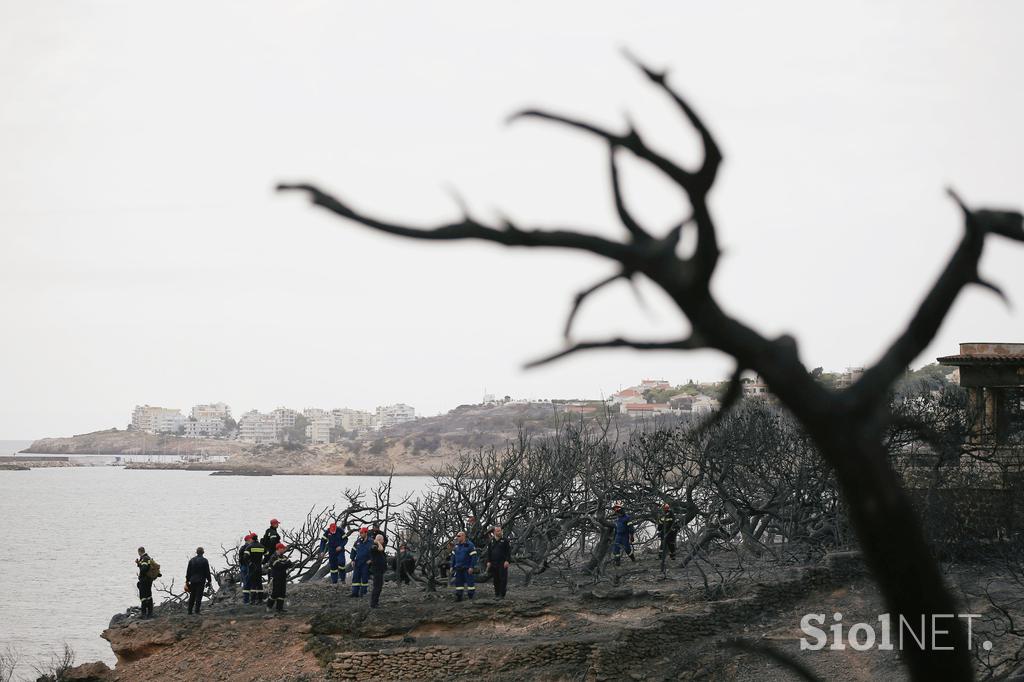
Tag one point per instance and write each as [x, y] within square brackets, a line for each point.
[279, 565]
[624, 535]
[271, 538]
[145, 583]
[360, 555]
[499, 556]
[333, 542]
[243, 564]
[667, 532]
[463, 564]
[255, 555]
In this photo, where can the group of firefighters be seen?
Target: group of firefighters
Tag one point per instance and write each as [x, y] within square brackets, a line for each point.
[367, 558]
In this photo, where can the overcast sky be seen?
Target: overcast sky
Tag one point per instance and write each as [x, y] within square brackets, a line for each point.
[144, 257]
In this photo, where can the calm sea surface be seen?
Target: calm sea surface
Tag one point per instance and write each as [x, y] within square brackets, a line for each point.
[72, 533]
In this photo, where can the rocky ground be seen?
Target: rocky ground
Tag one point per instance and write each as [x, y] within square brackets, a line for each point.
[648, 627]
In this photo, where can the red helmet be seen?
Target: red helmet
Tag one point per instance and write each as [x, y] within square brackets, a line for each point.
[280, 545]
[274, 522]
[333, 526]
[250, 536]
[364, 529]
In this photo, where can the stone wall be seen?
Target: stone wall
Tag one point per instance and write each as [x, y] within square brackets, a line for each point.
[618, 658]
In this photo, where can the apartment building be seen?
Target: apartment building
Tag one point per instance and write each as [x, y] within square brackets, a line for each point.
[318, 431]
[156, 419]
[284, 418]
[258, 428]
[353, 420]
[312, 413]
[204, 428]
[392, 415]
[211, 411]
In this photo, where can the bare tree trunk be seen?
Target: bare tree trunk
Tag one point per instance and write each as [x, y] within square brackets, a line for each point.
[895, 549]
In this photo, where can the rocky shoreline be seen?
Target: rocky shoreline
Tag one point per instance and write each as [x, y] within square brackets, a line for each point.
[241, 459]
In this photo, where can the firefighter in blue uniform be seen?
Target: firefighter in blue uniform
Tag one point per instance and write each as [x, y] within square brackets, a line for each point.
[624, 535]
[463, 565]
[255, 556]
[333, 541]
[361, 563]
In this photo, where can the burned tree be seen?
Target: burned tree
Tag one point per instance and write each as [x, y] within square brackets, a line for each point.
[848, 426]
[304, 542]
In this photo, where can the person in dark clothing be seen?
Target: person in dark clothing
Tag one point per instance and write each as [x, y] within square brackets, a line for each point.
[499, 556]
[375, 531]
[667, 532]
[360, 554]
[197, 577]
[378, 567]
[279, 565]
[145, 583]
[271, 538]
[254, 557]
[405, 564]
[243, 566]
[333, 543]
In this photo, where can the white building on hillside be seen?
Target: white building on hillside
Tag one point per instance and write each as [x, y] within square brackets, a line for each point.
[353, 420]
[171, 423]
[755, 388]
[211, 411]
[704, 404]
[255, 427]
[156, 419]
[284, 417]
[204, 428]
[318, 431]
[391, 415]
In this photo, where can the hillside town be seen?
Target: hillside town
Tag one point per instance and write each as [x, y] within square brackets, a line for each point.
[318, 426]
[649, 398]
[314, 426]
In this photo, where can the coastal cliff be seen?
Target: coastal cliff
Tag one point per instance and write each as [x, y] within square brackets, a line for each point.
[415, 448]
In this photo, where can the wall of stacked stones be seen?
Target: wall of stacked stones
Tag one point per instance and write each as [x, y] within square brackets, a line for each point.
[615, 659]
